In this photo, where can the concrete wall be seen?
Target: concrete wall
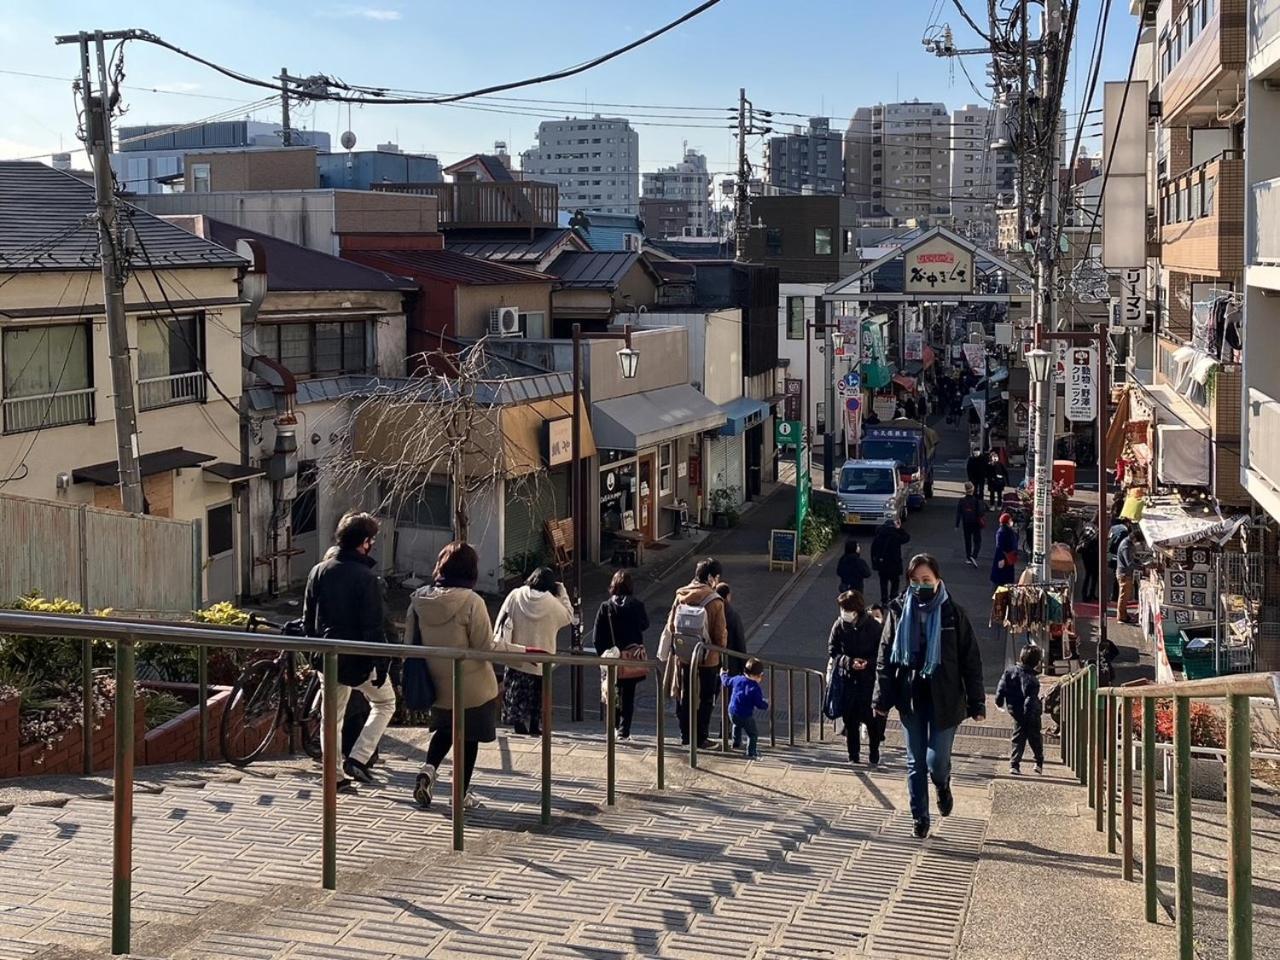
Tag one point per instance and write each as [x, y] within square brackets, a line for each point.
[664, 362]
[475, 302]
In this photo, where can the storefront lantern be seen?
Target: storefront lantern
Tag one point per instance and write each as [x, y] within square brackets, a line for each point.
[628, 361]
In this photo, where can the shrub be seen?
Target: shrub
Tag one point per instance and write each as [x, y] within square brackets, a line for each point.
[47, 659]
[1208, 729]
[161, 707]
[821, 527]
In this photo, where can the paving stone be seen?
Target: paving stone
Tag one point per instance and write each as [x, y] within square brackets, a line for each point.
[465, 945]
[20, 949]
[240, 946]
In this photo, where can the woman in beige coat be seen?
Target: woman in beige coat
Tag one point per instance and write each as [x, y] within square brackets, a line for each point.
[449, 613]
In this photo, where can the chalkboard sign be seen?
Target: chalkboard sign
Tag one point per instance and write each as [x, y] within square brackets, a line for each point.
[782, 549]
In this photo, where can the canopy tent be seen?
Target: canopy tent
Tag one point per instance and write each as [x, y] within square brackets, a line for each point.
[1169, 523]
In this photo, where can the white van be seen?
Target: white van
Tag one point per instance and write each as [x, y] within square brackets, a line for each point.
[870, 492]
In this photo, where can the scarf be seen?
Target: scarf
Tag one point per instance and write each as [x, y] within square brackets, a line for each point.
[920, 616]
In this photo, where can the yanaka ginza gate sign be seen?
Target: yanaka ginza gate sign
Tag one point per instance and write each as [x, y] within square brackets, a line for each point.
[938, 265]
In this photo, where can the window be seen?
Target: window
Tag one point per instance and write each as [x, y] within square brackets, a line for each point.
[200, 178]
[426, 507]
[317, 349]
[795, 318]
[47, 377]
[169, 355]
[534, 325]
[664, 469]
[303, 509]
[773, 241]
[220, 530]
[822, 241]
[846, 241]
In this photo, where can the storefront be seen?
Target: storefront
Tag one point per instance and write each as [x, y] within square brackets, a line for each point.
[736, 456]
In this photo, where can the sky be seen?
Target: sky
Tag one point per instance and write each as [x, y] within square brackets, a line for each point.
[807, 57]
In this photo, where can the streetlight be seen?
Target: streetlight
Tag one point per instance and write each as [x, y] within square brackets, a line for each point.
[1040, 364]
[628, 364]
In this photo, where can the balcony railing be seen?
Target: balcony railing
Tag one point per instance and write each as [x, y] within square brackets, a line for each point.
[1202, 217]
[1202, 59]
[519, 203]
[1263, 413]
[22, 414]
[157, 392]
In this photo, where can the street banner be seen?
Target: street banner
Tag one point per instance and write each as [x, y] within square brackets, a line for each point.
[1082, 385]
[913, 346]
[1059, 350]
[976, 356]
[1132, 310]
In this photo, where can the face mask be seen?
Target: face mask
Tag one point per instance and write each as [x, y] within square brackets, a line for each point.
[848, 616]
[924, 591]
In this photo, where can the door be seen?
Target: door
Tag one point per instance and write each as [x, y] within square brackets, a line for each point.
[755, 460]
[647, 497]
[220, 542]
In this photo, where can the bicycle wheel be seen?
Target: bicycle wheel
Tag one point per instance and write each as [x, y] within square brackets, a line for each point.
[254, 712]
[309, 720]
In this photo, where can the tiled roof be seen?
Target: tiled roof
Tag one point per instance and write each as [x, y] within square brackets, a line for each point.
[596, 269]
[46, 224]
[447, 265]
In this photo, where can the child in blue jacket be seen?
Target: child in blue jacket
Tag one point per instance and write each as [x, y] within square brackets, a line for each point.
[745, 698]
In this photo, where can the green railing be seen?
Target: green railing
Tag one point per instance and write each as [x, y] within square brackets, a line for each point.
[125, 634]
[1097, 744]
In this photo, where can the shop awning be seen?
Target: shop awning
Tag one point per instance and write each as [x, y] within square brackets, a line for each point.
[653, 416]
[1183, 455]
[905, 382]
[231, 472]
[1170, 524]
[742, 414]
[149, 464]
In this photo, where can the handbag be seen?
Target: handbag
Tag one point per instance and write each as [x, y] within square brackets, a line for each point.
[1011, 558]
[418, 689]
[634, 651]
[833, 706]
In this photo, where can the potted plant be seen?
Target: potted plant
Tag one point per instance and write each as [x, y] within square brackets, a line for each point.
[724, 507]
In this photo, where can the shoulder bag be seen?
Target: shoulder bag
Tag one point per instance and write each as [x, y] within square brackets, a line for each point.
[633, 652]
[419, 691]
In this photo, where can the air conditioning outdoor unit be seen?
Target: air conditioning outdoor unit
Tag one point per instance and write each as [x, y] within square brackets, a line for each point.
[504, 322]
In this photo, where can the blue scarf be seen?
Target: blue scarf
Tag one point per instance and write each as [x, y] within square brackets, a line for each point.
[908, 624]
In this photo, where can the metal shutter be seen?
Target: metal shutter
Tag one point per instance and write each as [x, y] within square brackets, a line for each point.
[528, 506]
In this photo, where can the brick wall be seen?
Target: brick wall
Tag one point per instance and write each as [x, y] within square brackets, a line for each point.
[9, 737]
[65, 755]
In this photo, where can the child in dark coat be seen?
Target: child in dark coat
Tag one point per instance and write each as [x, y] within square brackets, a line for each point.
[745, 698]
[1019, 693]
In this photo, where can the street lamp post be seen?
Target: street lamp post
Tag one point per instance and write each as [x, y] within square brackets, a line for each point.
[1040, 365]
[628, 363]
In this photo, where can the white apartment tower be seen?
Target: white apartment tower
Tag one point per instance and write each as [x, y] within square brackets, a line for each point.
[594, 160]
[687, 181]
[898, 160]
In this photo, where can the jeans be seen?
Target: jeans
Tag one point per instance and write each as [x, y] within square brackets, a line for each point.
[442, 742]
[746, 725]
[889, 585]
[708, 686]
[1026, 732]
[928, 758]
[382, 706]
[972, 542]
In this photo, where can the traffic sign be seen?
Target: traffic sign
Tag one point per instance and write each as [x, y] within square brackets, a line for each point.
[851, 379]
[852, 404]
[842, 388]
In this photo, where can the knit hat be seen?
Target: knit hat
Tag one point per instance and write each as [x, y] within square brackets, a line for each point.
[1005, 518]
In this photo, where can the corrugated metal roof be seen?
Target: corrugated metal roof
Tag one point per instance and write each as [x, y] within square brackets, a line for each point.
[447, 265]
[596, 269]
[46, 224]
[497, 392]
[502, 246]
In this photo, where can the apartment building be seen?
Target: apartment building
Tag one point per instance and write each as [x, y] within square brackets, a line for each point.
[807, 160]
[595, 161]
[689, 183]
[981, 175]
[898, 160]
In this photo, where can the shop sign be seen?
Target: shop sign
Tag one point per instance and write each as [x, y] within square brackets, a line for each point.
[885, 407]
[1131, 309]
[1082, 386]
[557, 441]
[1020, 414]
[794, 387]
[1059, 349]
[611, 487]
[976, 356]
[913, 346]
[938, 265]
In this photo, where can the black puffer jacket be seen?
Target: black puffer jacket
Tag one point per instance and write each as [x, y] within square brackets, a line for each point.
[955, 686]
[737, 640]
[859, 640]
[629, 622]
[344, 601]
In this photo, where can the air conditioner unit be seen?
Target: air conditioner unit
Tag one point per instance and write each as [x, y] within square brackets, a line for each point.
[505, 322]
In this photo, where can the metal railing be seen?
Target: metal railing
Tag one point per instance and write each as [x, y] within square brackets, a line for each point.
[48, 410]
[1097, 727]
[157, 392]
[124, 634]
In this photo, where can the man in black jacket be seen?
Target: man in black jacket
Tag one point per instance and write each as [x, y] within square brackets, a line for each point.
[975, 469]
[343, 601]
[737, 634]
[886, 557]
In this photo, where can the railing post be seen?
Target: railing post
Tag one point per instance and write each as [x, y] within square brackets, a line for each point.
[1126, 786]
[808, 735]
[547, 692]
[611, 736]
[691, 695]
[329, 750]
[822, 713]
[1111, 774]
[1099, 761]
[724, 722]
[202, 691]
[1082, 728]
[791, 712]
[459, 759]
[122, 801]
[1239, 824]
[661, 676]
[773, 699]
[1149, 806]
[86, 692]
[1182, 825]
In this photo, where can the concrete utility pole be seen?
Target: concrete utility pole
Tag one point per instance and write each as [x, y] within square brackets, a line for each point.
[112, 253]
[741, 196]
[285, 137]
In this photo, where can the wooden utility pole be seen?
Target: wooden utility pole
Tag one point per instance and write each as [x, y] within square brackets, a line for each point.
[113, 256]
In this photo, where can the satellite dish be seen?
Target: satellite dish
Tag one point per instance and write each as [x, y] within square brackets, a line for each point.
[348, 140]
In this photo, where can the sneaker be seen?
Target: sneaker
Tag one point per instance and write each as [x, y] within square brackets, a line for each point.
[346, 785]
[623, 737]
[855, 761]
[753, 756]
[946, 802]
[920, 828]
[424, 785]
[1015, 770]
[1039, 768]
[706, 744]
[874, 761]
[472, 801]
[357, 771]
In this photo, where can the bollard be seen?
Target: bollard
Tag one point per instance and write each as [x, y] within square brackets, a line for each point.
[1082, 729]
[822, 713]
[1239, 823]
[459, 762]
[329, 750]
[86, 694]
[611, 736]
[547, 688]
[1182, 826]
[661, 677]
[1111, 775]
[1149, 807]
[1100, 763]
[122, 801]
[724, 722]
[691, 694]
[1126, 786]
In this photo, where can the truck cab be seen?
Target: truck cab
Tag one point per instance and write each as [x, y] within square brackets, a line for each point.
[911, 445]
[870, 492]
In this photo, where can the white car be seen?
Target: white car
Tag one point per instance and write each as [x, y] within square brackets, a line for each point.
[870, 492]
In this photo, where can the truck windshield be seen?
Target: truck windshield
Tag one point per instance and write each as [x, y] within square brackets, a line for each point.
[876, 480]
[903, 451]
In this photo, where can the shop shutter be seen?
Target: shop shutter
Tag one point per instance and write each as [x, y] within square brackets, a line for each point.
[528, 506]
[717, 472]
[734, 466]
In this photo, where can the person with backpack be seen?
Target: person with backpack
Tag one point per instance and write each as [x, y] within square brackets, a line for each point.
[697, 614]
[852, 569]
[531, 616]
[620, 624]
[971, 517]
[852, 647]
[930, 669]
[1019, 693]
[886, 556]
[343, 600]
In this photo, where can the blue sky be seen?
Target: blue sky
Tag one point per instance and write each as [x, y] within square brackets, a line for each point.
[824, 57]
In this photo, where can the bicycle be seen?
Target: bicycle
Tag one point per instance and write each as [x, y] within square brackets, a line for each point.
[269, 694]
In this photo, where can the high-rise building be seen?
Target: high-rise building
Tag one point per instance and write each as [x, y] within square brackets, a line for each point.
[687, 181]
[808, 161]
[594, 160]
[898, 160]
[981, 174]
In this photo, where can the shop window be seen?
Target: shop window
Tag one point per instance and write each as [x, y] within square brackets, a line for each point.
[317, 349]
[664, 468]
[220, 531]
[795, 318]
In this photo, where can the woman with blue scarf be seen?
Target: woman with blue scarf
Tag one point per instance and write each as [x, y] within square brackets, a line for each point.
[930, 668]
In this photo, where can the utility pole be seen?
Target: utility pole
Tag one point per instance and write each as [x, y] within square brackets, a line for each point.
[285, 138]
[741, 196]
[113, 256]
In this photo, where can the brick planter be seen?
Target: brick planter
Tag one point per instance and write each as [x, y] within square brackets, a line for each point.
[178, 740]
[65, 755]
[9, 737]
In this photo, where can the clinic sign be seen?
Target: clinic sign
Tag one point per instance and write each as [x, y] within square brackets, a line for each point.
[1082, 385]
[937, 265]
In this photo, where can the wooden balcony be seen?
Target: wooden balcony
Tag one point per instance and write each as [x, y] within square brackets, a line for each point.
[521, 203]
[1202, 217]
[1202, 61]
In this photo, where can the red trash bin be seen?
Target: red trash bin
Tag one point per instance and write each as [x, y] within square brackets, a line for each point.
[1064, 473]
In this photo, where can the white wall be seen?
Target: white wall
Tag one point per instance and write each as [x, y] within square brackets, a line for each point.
[794, 350]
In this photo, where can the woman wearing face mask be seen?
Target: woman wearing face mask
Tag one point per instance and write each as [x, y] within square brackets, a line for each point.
[930, 669]
[855, 637]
